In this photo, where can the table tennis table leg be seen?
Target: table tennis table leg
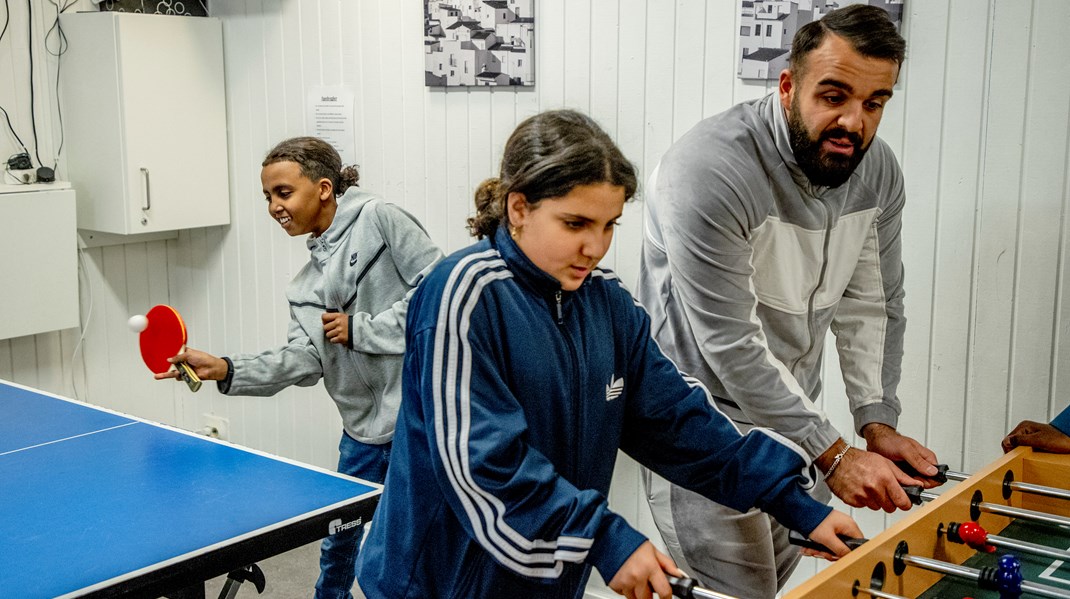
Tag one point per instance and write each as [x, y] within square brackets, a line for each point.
[251, 573]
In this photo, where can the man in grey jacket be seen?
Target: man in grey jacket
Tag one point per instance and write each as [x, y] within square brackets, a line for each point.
[767, 226]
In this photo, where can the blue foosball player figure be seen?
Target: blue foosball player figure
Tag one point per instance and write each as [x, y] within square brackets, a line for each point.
[1009, 577]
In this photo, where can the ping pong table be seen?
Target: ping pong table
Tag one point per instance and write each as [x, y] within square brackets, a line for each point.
[94, 503]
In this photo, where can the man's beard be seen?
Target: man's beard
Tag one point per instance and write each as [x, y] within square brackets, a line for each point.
[826, 169]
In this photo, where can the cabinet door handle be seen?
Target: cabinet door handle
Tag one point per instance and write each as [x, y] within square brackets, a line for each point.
[145, 183]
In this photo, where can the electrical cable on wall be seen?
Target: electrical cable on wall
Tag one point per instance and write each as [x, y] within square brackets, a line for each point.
[61, 48]
[18, 162]
[7, 117]
[84, 270]
[7, 17]
[17, 138]
[15, 163]
[29, 48]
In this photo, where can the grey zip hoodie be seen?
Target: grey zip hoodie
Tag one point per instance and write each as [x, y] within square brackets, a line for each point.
[746, 265]
[366, 264]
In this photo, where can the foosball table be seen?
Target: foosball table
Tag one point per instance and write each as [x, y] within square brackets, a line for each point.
[1002, 532]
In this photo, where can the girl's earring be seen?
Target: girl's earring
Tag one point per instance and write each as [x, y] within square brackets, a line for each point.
[514, 232]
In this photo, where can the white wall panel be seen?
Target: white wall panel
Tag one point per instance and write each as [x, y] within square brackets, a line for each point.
[997, 210]
[920, 96]
[980, 121]
[959, 159]
[630, 123]
[1042, 194]
[688, 45]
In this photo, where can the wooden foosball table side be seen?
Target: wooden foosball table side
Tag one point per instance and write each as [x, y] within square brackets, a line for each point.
[919, 528]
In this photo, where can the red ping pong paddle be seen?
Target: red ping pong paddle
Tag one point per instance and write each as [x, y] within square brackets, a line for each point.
[163, 338]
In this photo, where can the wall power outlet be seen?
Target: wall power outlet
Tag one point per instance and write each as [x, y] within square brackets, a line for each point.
[215, 426]
[25, 176]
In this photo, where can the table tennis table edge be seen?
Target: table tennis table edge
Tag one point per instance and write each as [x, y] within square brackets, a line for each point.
[189, 433]
[187, 569]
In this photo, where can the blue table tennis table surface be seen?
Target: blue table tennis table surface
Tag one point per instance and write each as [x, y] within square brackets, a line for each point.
[97, 503]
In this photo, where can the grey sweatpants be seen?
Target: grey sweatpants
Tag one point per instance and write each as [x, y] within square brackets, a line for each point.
[742, 554]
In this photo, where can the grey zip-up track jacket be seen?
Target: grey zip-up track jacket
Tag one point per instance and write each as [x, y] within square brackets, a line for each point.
[366, 264]
[746, 265]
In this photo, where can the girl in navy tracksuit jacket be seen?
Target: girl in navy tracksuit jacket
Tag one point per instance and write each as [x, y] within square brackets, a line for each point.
[526, 369]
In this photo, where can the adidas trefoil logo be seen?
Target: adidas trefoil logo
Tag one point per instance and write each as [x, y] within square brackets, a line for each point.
[614, 388]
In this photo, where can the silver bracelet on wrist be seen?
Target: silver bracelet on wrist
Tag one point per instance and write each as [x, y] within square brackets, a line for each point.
[837, 459]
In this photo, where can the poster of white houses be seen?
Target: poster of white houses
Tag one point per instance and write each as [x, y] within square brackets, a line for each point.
[766, 28]
[479, 43]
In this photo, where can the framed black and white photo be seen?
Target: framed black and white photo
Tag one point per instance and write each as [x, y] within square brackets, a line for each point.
[479, 43]
[766, 28]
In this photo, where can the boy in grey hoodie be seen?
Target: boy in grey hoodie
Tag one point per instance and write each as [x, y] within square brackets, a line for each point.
[347, 317]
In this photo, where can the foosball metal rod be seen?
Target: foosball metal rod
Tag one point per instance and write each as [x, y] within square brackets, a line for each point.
[917, 496]
[1040, 490]
[974, 574]
[1017, 512]
[878, 594]
[1027, 547]
[1030, 488]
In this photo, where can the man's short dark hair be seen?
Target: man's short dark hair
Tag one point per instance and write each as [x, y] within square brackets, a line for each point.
[867, 28]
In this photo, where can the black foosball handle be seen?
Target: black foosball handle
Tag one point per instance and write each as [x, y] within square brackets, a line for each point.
[799, 540]
[687, 588]
[914, 493]
[940, 476]
[682, 587]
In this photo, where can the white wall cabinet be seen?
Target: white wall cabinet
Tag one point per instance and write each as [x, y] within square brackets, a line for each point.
[38, 259]
[145, 121]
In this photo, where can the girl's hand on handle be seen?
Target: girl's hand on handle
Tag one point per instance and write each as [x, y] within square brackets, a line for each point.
[827, 533]
[643, 574]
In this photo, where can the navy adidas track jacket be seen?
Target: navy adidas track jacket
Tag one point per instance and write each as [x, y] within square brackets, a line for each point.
[516, 397]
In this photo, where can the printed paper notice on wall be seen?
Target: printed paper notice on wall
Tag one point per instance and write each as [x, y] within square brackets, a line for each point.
[330, 117]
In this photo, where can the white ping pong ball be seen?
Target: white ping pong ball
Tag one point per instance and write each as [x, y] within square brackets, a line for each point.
[137, 323]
